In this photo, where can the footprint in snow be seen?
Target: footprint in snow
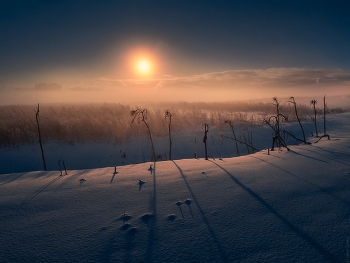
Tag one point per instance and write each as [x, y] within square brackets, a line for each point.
[125, 217]
[188, 201]
[171, 218]
[146, 218]
[132, 231]
[125, 227]
[103, 228]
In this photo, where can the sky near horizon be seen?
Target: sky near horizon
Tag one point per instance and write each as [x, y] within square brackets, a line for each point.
[117, 51]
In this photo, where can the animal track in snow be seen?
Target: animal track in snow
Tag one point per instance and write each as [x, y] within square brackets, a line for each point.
[125, 227]
[171, 217]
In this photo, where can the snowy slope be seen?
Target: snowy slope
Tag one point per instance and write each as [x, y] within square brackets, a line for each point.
[284, 207]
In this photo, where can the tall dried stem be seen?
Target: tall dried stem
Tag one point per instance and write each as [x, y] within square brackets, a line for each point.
[41, 145]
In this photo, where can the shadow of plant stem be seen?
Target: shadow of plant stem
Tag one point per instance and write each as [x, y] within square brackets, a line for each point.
[141, 183]
[146, 218]
[82, 180]
[299, 231]
[188, 203]
[179, 203]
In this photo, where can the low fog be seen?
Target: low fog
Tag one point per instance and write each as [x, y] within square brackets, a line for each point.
[338, 98]
[231, 85]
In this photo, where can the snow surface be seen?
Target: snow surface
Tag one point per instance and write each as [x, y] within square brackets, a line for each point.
[286, 206]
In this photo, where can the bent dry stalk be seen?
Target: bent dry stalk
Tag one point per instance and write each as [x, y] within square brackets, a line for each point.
[313, 103]
[41, 145]
[141, 116]
[205, 138]
[229, 122]
[292, 100]
[277, 139]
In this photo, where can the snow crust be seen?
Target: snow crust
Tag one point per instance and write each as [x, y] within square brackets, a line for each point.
[285, 206]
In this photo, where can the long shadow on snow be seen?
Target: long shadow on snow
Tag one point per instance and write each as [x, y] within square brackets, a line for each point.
[40, 190]
[14, 179]
[152, 224]
[332, 151]
[330, 158]
[211, 231]
[309, 157]
[111, 245]
[113, 177]
[322, 250]
[303, 179]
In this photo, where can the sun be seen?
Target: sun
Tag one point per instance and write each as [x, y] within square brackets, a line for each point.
[143, 66]
[140, 62]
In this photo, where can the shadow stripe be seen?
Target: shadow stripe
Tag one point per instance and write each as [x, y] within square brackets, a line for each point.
[322, 250]
[211, 231]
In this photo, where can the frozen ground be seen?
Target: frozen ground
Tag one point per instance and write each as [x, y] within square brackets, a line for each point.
[284, 207]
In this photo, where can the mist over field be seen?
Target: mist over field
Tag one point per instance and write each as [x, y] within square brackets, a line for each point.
[84, 122]
[32, 97]
[105, 134]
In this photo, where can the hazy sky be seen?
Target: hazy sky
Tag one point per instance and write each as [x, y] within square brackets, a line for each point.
[197, 50]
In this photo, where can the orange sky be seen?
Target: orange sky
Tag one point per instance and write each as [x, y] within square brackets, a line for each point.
[85, 51]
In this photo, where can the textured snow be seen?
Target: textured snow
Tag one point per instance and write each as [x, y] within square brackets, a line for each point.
[286, 206]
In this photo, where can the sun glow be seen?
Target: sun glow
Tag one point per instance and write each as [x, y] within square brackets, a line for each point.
[140, 62]
[143, 66]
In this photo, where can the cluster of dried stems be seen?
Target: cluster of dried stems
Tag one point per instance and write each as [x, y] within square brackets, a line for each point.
[71, 123]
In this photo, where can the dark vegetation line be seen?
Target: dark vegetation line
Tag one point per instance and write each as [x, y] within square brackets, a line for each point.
[110, 122]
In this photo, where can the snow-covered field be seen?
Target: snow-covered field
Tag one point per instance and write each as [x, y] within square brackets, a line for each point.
[286, 206]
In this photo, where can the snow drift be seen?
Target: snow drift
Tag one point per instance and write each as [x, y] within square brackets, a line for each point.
[286, 206]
